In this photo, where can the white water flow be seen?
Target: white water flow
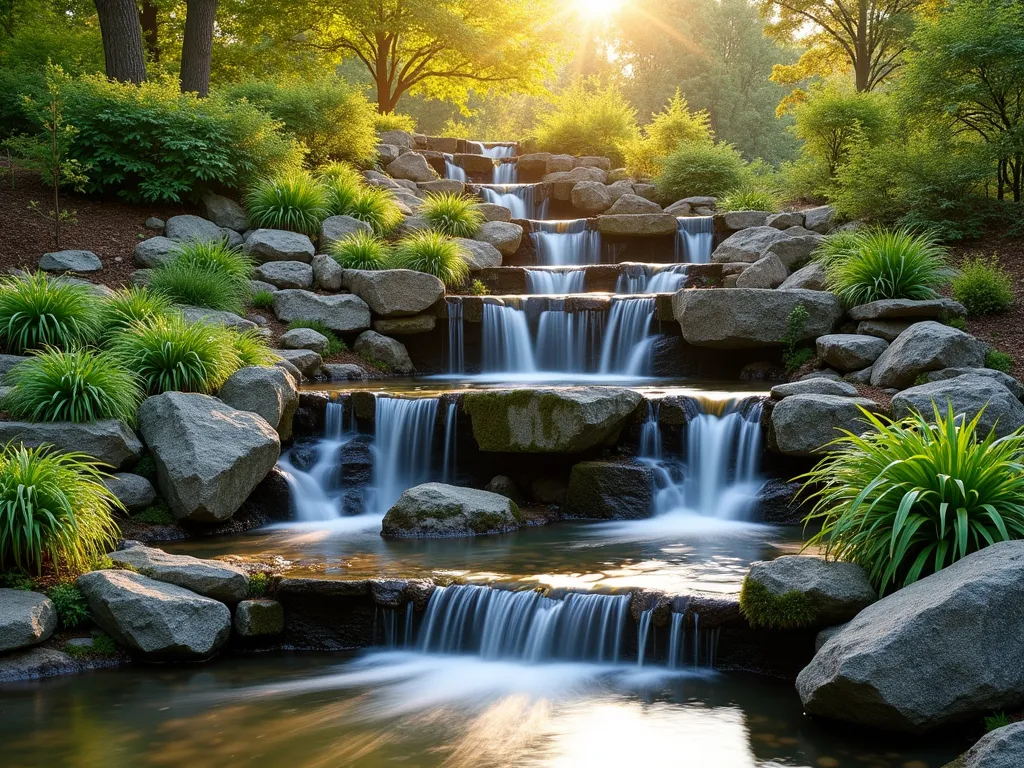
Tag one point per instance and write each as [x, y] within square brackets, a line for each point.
[565, 243]
[651, 278]
[520, 199]
[554, 281]
[628, 341]
[313, 499]
[454, 171]
[451, 445]
[456, 347]
[403, 447]
[694, 236]
[507, 345]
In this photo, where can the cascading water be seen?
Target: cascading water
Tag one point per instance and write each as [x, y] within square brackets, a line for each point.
[507, 345]
[314, 491]
[651, 278]
[505, 173]
[454, 171]
[694, 236]
[627, 337]
[520, 199]
[566, 340]
[557, 282]
[451, 423]
[563, 243]
[403, 447]
[456, 347]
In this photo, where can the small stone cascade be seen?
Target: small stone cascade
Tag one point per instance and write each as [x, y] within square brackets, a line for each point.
[403, 447]
[651, 278]
[694, 239]
[454, 171]
[569, 242]
[688, 646]
[554, 282]
[520, 199]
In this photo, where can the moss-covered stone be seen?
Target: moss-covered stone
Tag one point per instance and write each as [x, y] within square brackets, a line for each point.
[790, 610]
[436, 510]
[259, 618]
[609, 490]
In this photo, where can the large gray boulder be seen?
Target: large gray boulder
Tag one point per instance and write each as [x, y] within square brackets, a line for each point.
[968, 395]
[111, 442]
[591, 198]
[816, 386]
[193, 228]
[610, 490]
[224, 212]
[133, 491]
[396, 138]
[211, 578]
[343, 312]
[436, 510]
[306, 362]
[766, 272]
[811, 277]
[1003, 378]
[943, 650]
[263, 245]
[549, 420]
[736, 220]
[394, 292]
[286, 274]
[820, 219]
[633, 204]
[750, 317]
[411, 166]
[478, 254]
[747, 245]
[304, 338]
[269, 392]
[70, 261]
[154, 252]
[850, 351]
[335, 228]
[796, 248]
[1001, 748]
[637, 224]
[883, 329]
[802, 425]
[503, 235]
[154, 618]
[327, 273]
[908, 309]
[923, 347]
[209, 456]
[384, 350]
[26, 618]
[821, 592]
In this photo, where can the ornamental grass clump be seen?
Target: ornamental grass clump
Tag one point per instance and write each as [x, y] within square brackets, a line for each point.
[452, 214]
[375, 206]
[252, 349]
[130, 305]
[78, 386]
[433, 253]
[296, 202]
[750, 200]
[38, 311]
[361, 250]
[54, 510]
[908, 498]
[218, 257]
[209, 275]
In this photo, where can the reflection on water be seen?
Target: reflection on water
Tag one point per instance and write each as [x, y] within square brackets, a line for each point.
[424, 711]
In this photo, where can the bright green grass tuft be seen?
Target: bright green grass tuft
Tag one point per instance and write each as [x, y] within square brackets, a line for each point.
[296, 202]
[38, 311]
[451, 214]
[433, 253]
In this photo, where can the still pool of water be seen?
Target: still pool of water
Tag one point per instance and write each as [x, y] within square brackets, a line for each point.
[399, 708]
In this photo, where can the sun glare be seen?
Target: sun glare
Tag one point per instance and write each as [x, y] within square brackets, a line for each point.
[599, 9]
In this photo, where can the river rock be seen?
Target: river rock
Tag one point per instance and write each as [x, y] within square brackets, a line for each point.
[405, 326]
[70, 261]
[224, 212]
[494, 212]
[133, 491]
[1001, 748]
[263, 245]
[304, 338]
[503, 235]
[211, 578]
[830, 592]
[610, 490]
[850, 351]
[591, 198]
[327, 273]
[816, 386]
[638, 224]
[904, 309]
[943, 650]
[154, 251]
[193, 228]
[306, 362]
[336, 228]
[286, 274]
[820, 219]
[436, 510]
[259, 618]
[633, 204]
[802, 425]
[767, 272]
[394, 292]
[384, 350]
[109, 441]
[923, 347]
[209, 456]
[883, 329]
[26, 618]
[343, 313]
[1003, 378]
[796, 248]
[968, 395]
[270, 392]
[154, 618]
[478, 254]
[785, 220]
[747, 245]
[548, 420]
[811, 277]
[412, 166]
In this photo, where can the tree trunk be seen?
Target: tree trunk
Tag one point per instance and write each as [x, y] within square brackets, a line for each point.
[150, 29]
[122, 40]
[197, 47]
[862, 65]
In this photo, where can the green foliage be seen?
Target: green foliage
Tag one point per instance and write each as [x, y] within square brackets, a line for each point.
[71, 605]
[16, 580]
[262, 300]
[130, 305]
[831, 120]
[477, 288]
[375, 206]
[889, 264]
[77, 386]
[837, 247]
[983, 286]
[157, 514]
[790, 610]
[433, 253]
[794, 355]
[169, 354]
[339, 171]
[700, 169]
[587, 118]
[38, 311]
[995, 721]
[393, 121]
[252, 349]
[334, 344]
[452, 214]
[749, 199]
[296, 202]
[197, 286]
[54, 509]
[259, 584]
[216, 257]
[102, 646]
[146, 467]
[668, 129]
[957, 322]
[998, 361]
[909, 498]
[361, 250]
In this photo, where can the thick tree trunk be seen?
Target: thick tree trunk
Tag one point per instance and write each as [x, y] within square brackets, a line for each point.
[862, 66]
[197, 47]
[385, 101]
[122, 40]
[150, 29]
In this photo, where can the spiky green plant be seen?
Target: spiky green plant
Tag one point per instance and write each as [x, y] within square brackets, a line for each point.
[339, 171]
[38, 311]
[54, 509]
[251, 348]
[169, 354]
[195, 285]
[750, 200]
[377, 207]
[451, 214]
[341, 192]
[296, 202]
[910, 497]
[262, 299]
[219, 257]
[889, 264]
[433, 253]
[78, 386]
[130, 305]
[836, 247]
[361, 250]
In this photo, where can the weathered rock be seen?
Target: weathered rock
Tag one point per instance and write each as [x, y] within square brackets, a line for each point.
[436, 510]
[26, 618]
[211, 578]
[154, 251]
[767, 272]
[154, 618]
[269, 392]
[306, 362]
[1001, 748]
[802, 425]
[817, 386]
[396, 138]
[548, 420]
[109, 441]
[255, 286]
[225, 212]
[533, 163]
[336, 228]
[209, 456]
[394, 292]
[968, 395]
[883, 329]
[216, 317]
[591, 197]
[405, 326]
[343, 372]
[633, 204]
[737, 220]
[443, 185]
[903, 309]
[343, 313]
[304, 338]
[259, 618]
[785, 220]
[610, 491]
[647, 191]
[70, 261]
[384, 350]
[829, 592]
[943, 650]
[263, 245]
[1003, 378]
[747, 245]
[780, 503]
[286, 274]
[134, 491]
[820, 219]
[193, 228]
[155, 224]
[503, 235]
[327, 273]
[493, 212]
[923, 347]
[750, 317]
[505, 486]
[478, 254]
[796, 248]
[811, 277]
[640, 225]
[850, 351]
[411, 166]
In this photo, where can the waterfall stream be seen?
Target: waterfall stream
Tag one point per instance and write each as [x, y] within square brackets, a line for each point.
[651, 278]
[694, 237]
[520, 199]
[564, 243]
[554, 281]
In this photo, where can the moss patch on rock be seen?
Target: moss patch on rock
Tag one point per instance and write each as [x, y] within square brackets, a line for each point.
[790, 610]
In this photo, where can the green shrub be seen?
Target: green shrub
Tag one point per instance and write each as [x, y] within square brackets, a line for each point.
[78, 386]
[71, 605]
[152, 142]
[451, 214]
[341, 191]
[218, 257]
[889, 264]
[790, 610]
[54, 509]
[587, 118]
[998, 361]
[361, 250]
[433, 253]
[983, 286]
[908, 498]
[169, 354]
[262, 300]
[831, 121]
[794, 356]
[334, 344]
[957, 322]
[836, 247]
[157, 514]
[375, 206]
[252, 349]
[339, 172]
[102, 645]
[393, 121]
[668, 129]
[130, 305]
[700, 169]
[750, 200]
[16, 580]
[330, 117]
[38, 311]
[296, 202]
[477, 288]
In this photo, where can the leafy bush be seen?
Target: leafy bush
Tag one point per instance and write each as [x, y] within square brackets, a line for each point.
[998, 361]
[832, 120]
[152, 142]
[790, 610]
[375, 206]
[668, 129]
[259, 583]
[330, 117]
[749, 200]
[361, 250]
[77, 386]
[700, 169]
[71, 605]
[157, 514]
[169, 354]
[908, 498]
[587, 119]
[889, 264]
[198, 286]
[38, 311]
[262, 299]
[393, 121]
[451, 214]
[477, 288]
[130, 305]
[296, 202]
[433, 253]
[334, 344]
[252, 350]
[983, 286]
[54, 509]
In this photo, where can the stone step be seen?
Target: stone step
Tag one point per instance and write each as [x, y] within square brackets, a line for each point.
[472, 306]
[511, 280]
